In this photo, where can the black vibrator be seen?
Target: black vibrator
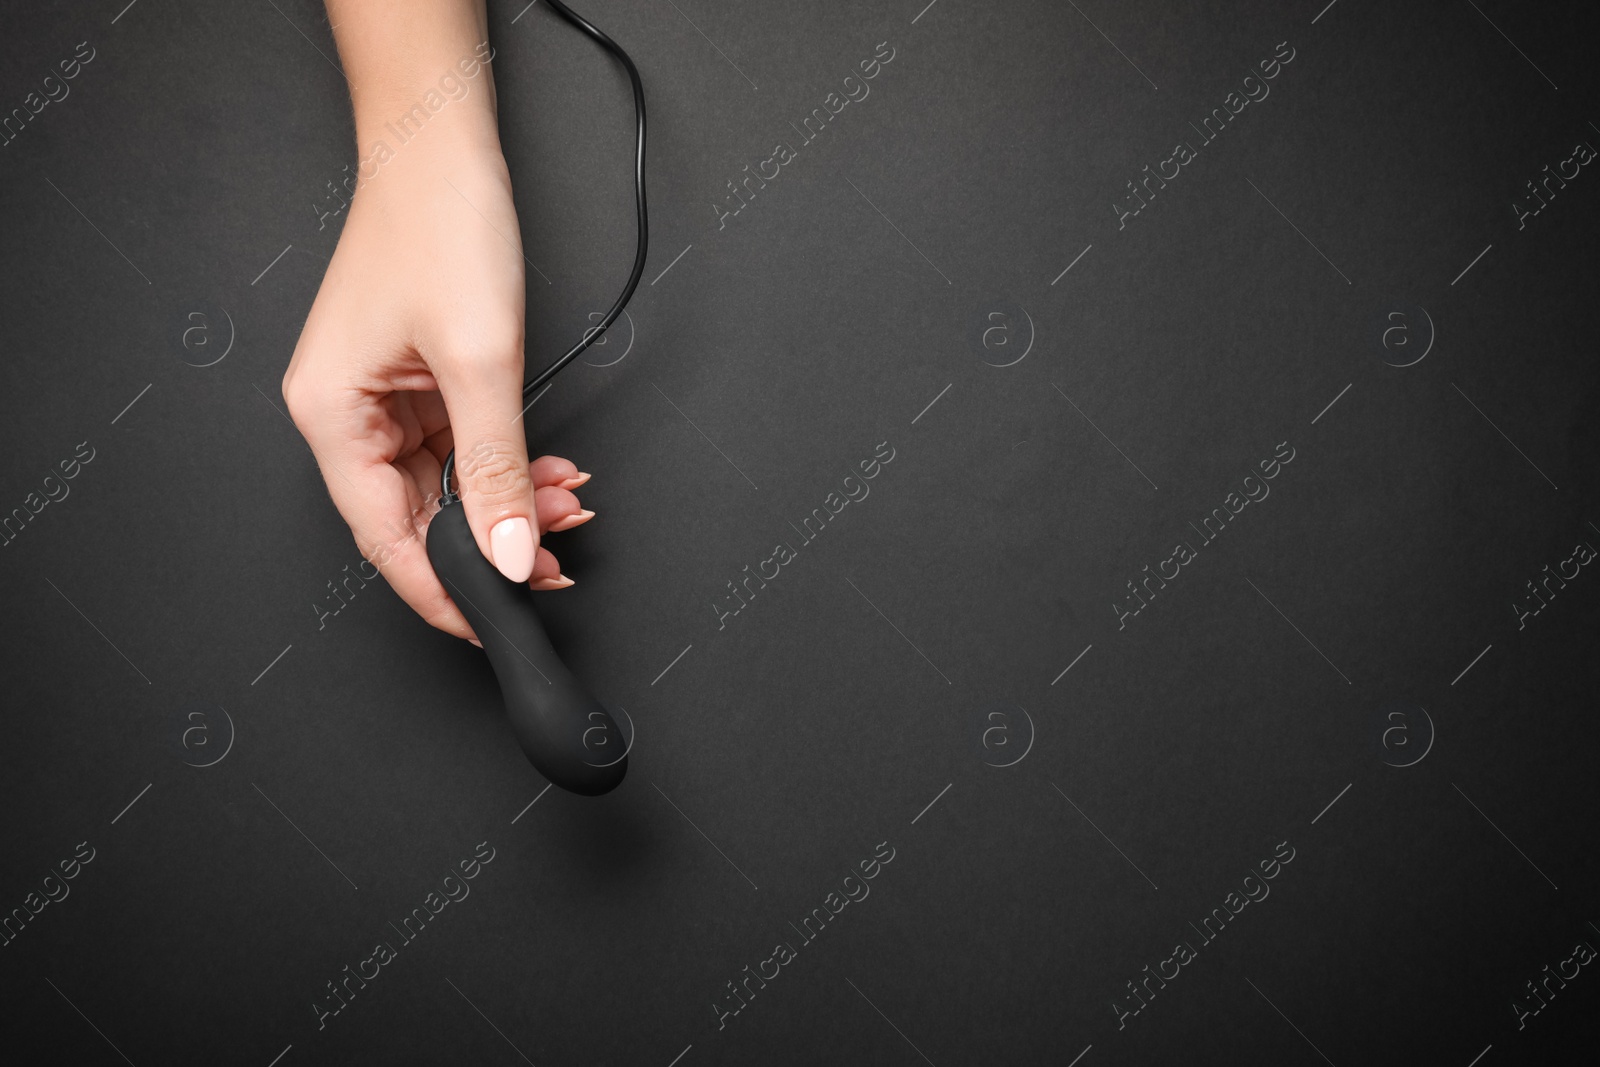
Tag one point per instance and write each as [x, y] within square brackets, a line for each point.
[564, 731]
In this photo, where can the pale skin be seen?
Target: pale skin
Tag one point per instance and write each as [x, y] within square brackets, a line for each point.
[414, 342]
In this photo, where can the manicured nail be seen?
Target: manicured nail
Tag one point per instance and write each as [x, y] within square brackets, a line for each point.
[511, 548]
[576, 480]
[548, 584]
[475, 641]
[572, 520]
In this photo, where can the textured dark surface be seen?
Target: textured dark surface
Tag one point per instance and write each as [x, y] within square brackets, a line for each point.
[177, 586]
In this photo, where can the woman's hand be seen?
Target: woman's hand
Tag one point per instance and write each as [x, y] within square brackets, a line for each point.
[414, 345]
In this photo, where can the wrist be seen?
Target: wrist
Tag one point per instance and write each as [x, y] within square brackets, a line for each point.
[442, 102]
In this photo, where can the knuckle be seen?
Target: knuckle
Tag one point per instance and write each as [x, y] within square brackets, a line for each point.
[493, 347]
[304, 395]
[444, 617]
[494, 473]
[435, 608]
[295, 394]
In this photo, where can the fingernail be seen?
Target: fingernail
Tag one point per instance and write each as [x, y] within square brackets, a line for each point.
[511, 548]
[572, 520]
[548, 584]
[576, 480]
[475, 641]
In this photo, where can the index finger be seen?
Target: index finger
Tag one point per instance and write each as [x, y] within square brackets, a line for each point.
[388, 516]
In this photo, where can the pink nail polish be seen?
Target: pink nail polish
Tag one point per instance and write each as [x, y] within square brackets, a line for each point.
[475, 641]
[571, 520]
[576, 480]
[511, 548]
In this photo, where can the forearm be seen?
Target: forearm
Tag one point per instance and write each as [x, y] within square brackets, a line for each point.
[416, 68]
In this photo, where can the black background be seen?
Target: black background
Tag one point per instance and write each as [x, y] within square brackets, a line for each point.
[776, 752]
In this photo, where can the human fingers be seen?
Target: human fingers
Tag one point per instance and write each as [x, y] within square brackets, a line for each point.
[482, 391]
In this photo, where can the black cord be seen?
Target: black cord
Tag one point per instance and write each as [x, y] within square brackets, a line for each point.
[589, 335]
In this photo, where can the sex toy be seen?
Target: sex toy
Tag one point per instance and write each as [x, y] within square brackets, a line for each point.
[564, 731]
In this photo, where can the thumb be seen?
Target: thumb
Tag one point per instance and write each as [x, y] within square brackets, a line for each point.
[484, 404]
